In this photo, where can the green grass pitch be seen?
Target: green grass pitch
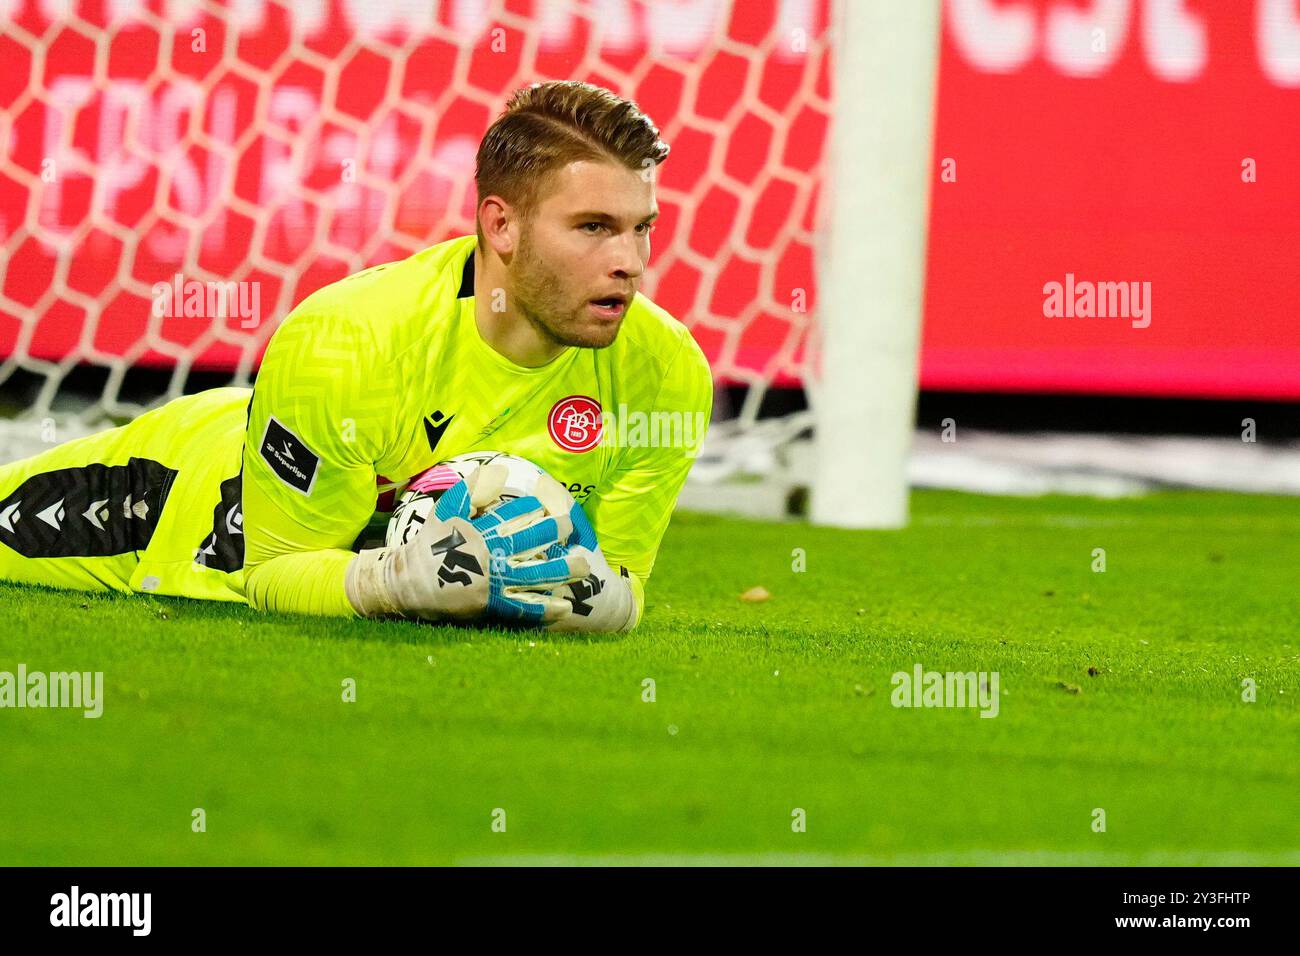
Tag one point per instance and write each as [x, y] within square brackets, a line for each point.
[1121, 690]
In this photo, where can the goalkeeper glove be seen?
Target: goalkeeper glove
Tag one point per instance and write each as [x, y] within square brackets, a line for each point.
[458, 568]
[602, 600]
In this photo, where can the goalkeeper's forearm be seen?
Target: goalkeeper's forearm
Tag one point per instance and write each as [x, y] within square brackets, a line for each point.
[305, 582]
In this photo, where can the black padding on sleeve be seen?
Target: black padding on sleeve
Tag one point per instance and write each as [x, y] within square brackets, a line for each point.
[88, 512]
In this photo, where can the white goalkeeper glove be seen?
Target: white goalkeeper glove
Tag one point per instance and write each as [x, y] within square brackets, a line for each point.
[462, 569]
[602, 600]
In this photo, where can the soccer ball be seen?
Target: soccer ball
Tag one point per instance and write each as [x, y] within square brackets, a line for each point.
[422, 493]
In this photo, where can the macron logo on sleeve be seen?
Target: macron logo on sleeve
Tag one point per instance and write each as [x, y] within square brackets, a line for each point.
[289, 457]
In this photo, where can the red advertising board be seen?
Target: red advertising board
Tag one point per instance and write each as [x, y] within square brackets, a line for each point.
[1163, 150]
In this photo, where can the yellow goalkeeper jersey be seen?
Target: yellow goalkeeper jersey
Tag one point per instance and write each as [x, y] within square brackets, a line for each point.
[379, 376]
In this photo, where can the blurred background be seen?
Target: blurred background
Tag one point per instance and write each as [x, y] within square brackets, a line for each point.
[281, 146]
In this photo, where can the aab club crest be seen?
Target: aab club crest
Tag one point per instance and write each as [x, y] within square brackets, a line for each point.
[574, 423]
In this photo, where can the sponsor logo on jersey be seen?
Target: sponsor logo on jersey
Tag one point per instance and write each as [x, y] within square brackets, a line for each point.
[575, 423]
[493, 425]
[289, 457]
[434, 426]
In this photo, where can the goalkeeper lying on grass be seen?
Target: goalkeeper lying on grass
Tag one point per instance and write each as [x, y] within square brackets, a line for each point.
[515, 340]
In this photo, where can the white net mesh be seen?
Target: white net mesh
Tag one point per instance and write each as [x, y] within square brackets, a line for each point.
[177, 174]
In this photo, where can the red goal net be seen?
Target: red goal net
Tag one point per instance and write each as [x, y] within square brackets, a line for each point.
[257, 150]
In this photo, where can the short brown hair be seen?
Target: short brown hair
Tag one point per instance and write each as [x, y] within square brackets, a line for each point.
[546, 126]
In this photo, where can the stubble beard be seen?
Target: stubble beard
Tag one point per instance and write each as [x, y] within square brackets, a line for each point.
[535, 284]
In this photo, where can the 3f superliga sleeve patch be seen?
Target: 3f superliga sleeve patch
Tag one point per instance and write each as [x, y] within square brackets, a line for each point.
[289, 457]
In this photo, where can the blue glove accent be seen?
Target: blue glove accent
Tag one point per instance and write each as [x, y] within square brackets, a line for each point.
[507, 511]
[584, 536]
[455, 503]
[534, 537]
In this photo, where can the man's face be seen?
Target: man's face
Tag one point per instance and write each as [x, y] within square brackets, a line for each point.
[587, 240]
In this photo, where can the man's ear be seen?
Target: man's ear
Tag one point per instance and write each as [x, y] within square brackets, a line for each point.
[499, 222]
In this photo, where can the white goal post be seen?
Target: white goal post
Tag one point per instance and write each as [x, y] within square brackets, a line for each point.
[873, 266]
